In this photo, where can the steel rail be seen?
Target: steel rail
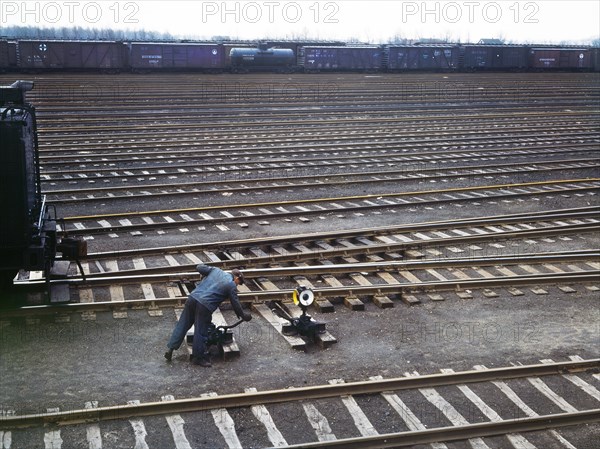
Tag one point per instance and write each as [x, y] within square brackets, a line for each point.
[585, 212]
[354, 83]
[332, 179]
[331, 199]
[333, 105]
[192, 132]
[61, 128]
[293, 394]
[232, 163]
[568, 138]
[345, 101]
[321, 253]
[508, 112]
[402, 246]
[459, 433]
[333, 95]
[320, 293]
[369, 267]
[91, 230]
[341, 139]
[449, 285]
[279, 135]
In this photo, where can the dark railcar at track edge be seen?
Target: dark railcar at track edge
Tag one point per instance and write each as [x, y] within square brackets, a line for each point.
[28, 229]
[422, 57]
[27, 235]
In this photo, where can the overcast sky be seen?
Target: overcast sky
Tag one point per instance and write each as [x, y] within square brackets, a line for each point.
[540, 21]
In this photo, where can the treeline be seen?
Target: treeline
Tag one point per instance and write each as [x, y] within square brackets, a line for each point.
[81, 33]
[109, 34]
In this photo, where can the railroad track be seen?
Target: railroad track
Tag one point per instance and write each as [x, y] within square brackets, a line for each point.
[355, 91]
[258, 146]
[215, 135]
[408, 240]
[265, 291]
[404, 108]
[188, 185]
[247, 162]
[380, 264]
[349, 140]
[134, 222]
[128, 127]
[373, 131]
[548, 404]
[345, 282]
[310, 130]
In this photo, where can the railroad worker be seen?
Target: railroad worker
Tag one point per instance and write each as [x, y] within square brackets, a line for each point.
[215, 287]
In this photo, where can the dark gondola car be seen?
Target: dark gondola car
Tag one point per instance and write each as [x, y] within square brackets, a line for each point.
[495, 57]
[326, 58]
[422, 57]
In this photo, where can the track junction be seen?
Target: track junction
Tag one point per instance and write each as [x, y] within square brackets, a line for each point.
[427, 196]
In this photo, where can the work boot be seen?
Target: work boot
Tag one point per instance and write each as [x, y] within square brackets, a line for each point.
[202, 362]
[169, 355]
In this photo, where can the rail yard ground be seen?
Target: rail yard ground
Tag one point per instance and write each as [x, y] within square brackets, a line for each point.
[316, 162]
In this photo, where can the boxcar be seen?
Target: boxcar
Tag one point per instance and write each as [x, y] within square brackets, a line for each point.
[12, 55]
[4, 59]
[596, 59]
[176, 56]
[341, 58]
[499, 57]
[296, 46]
[576, 58]
[561, 58]
[75, 55]
[422, 57]
[8, 55]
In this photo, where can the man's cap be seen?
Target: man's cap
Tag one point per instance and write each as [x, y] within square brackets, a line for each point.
[238, 274]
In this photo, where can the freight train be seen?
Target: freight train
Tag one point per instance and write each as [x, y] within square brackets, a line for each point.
[29, 238]
[284, 56]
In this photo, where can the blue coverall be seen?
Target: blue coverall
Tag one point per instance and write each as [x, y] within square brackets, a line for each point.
[215, 287]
